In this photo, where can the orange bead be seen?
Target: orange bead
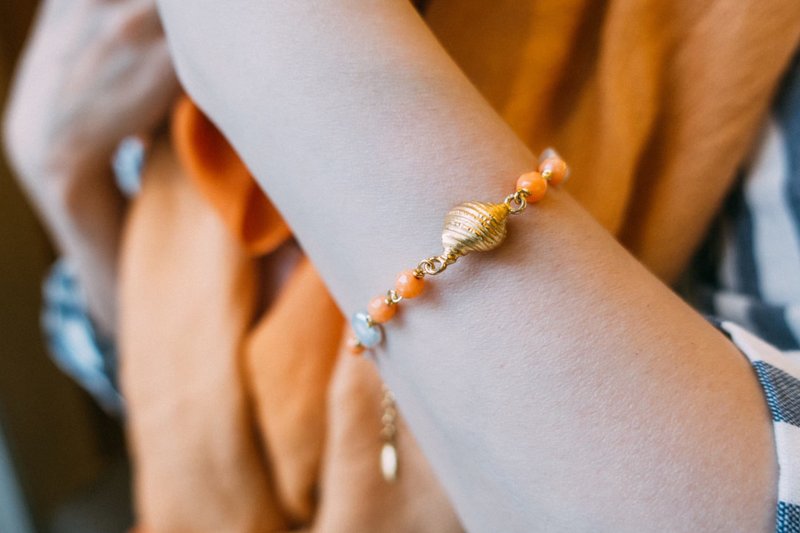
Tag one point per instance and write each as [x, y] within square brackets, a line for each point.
[380, 311]
[354, 346]
[554, 168]
[535, 184]
[408, 285]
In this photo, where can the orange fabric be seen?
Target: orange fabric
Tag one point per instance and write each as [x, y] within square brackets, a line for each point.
[187, 296]
[239, 426]
[290, 422]
[245, 416]
[218, 173]
[654, 103]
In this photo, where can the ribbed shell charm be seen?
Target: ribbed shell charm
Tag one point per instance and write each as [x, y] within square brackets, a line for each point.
[474, 227]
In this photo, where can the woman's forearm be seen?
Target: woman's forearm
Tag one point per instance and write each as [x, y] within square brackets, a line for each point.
[554, 383]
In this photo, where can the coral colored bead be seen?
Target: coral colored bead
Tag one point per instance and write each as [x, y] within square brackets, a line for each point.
[355, 347]
[535, 184]
[556, 168]
[408, 285]
[380, 311]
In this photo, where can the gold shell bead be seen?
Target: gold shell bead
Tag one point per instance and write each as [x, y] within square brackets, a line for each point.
[474, 227]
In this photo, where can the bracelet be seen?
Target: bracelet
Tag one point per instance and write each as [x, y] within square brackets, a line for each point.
[468, 227]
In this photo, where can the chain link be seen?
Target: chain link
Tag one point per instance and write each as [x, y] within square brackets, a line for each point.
[392, 297]
[436, 264]
[389, 415]
[516, 202]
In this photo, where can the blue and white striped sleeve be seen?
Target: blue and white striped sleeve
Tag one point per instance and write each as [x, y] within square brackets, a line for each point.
[74, 342]
[778, 373]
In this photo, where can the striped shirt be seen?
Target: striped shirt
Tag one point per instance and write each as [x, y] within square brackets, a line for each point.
[748, 275]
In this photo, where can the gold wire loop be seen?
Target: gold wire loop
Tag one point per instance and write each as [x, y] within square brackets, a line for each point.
[392, 297]
[516, 202]
[432, 265]
[436, 264]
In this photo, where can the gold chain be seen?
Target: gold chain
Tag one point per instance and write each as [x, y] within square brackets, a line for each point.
[389, 456]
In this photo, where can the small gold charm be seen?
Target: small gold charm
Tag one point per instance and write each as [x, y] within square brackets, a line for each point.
[474, 227]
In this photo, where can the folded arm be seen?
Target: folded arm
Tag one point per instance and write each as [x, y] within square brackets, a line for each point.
[554, 384]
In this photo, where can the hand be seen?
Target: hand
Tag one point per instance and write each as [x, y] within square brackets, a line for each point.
[93, 72]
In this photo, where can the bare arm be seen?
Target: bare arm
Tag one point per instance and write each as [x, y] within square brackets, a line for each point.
[554, 384]
[93, 72]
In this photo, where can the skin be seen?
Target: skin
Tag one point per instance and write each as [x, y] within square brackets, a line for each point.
[92, 73]
[554, 384]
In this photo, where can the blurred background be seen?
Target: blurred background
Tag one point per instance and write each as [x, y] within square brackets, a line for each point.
[62, 460]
